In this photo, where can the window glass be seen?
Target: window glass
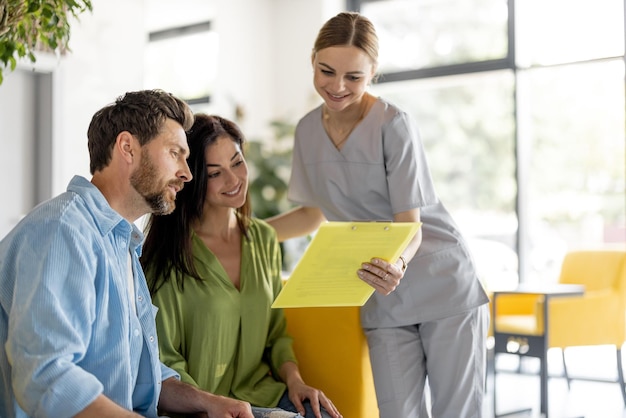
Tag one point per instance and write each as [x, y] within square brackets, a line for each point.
[417, 34]
[184, 65]
[467, 129]
[563, 181]
[576, 176]
[558, 31]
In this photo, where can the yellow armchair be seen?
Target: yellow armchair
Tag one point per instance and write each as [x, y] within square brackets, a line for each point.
[597, 317]
[333, 357]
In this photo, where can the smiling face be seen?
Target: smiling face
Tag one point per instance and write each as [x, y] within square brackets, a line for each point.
[227, 174]
[163, 169]
[341, 75]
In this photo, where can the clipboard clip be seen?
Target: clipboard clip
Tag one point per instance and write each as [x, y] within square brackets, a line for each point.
[354, 227]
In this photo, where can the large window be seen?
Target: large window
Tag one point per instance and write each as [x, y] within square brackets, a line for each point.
[181, 54]
[522, 113]
[421, 34]
[183, 61]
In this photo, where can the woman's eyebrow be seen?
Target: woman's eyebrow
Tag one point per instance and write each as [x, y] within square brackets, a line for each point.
[217, 165]
[358, 72]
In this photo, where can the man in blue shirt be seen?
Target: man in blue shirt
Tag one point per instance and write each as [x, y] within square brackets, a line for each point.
[77, 329]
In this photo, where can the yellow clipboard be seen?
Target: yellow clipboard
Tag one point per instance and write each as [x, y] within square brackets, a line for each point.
[326, 275]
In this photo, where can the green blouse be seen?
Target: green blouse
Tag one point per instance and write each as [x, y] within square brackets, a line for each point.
[227, 341]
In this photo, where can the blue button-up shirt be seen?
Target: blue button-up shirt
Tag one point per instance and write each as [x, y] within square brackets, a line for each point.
[68, 330]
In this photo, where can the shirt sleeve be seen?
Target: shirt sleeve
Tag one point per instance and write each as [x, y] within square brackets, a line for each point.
[51, 320]
[279, 342]
[300, 190]
[170, 329]
[408, 176]
[167, 372]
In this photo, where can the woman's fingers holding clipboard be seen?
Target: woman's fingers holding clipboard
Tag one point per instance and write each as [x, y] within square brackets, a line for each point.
[381, 275]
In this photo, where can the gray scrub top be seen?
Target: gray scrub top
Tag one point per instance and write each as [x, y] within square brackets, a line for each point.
[382, 170]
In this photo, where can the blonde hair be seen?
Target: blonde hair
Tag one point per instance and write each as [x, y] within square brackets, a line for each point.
[348, 29]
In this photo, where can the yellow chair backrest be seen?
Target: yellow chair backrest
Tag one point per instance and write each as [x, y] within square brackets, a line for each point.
[598, 317]
[333, 356]
[596, 270]
[595, 318]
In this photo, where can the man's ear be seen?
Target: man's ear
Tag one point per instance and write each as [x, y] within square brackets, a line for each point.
[125, 145]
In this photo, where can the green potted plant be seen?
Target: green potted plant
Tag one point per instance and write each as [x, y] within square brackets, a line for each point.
[270, 168]
[27, 26]
[270, 163]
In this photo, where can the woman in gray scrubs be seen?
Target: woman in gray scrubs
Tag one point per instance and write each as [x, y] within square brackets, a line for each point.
[359, 157]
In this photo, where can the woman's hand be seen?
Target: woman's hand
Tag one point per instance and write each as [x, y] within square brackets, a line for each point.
[300, 391]
[381, 275]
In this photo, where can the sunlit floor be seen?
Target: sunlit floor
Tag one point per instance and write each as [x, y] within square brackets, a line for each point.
[588, 399]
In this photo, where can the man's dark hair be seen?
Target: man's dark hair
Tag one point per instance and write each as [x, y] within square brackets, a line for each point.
[142, 113]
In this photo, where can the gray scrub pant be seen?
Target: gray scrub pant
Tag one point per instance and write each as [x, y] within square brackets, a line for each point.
[451, 352]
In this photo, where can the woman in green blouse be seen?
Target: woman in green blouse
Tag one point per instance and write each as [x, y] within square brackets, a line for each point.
[214, 271]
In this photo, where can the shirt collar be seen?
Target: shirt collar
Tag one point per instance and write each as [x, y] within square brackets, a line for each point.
[106, 218]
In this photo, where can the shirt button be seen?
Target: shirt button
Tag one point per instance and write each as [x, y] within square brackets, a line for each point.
[140, 298]
[151, 339]
[136, 332]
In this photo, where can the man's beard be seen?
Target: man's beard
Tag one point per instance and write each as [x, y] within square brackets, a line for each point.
[143, 180]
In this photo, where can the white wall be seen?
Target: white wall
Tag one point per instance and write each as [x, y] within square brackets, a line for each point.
[296, 25]
[106, 61]
[264, 67]
[17, 96]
